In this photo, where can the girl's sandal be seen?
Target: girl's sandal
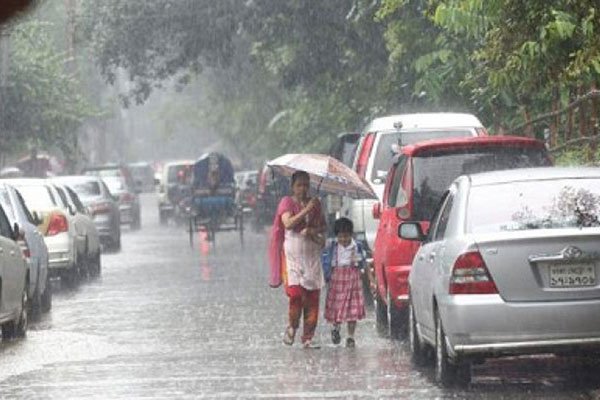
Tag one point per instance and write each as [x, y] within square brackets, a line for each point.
[288, 336]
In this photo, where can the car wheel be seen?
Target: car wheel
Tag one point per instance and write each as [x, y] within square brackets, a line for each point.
[397, 319]
[70, 277]
[162, 217]
[46, 303]
[18, 328]
[97, 266]
[448, 372]
[381, 316]
[418, 352]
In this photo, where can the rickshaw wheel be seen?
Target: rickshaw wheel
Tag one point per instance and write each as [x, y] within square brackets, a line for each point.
[192, 230]
[241, 227]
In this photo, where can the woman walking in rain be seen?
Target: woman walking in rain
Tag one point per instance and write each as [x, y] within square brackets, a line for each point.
[295, 256]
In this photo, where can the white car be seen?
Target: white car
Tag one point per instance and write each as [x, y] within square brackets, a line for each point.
[33, 246]
[169, 188]
[380, 140]
[84, 226]
[62, 239]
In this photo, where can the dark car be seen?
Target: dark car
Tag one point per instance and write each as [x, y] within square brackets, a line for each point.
[119, 180]
[143, 176]
[103, 208]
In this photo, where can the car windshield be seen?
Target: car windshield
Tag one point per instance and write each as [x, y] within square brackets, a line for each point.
[115, 184]
[434, 172]
[528, 205]
[6, 204]
[87, 189]
[38, 197]
[105, 173]
[385, 148]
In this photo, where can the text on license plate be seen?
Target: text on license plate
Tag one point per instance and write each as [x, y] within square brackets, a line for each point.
[572, 275]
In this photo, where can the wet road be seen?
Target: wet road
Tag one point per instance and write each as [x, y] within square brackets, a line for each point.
[167, 321]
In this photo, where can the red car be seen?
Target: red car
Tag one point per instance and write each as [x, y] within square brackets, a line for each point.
[415, 183]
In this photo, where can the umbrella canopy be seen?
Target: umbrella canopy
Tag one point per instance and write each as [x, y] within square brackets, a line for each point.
[327, 174]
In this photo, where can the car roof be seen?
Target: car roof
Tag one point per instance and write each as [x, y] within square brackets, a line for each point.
[178, 162]
[424, 121]
[103, 166]
[470, 141]
[26, 181]
[533, 174]
[76, 178]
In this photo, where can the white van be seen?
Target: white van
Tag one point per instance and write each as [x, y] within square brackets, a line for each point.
[377, 147]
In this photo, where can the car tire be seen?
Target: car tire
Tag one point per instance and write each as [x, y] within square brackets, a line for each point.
[397, 319]
[46, 300]
[70, 277]
[162, 218]
[381, 317]
[18, 327]
[418, 352]
[447, 371]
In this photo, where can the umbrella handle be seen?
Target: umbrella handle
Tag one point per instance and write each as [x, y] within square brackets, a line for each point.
[319, 185]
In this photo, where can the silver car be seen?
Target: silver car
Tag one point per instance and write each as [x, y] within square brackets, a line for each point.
[33, 246]
[510, 266]
[95, 195]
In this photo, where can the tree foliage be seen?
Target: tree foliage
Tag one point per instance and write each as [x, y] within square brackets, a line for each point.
[289, 75]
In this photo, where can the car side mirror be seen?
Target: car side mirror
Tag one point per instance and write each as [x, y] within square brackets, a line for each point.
[115, 197]
[18, 233]
[72, 211]
[376, 210]
[411, 231]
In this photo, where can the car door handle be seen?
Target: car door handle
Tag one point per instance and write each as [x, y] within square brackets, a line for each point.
[12, 253]
[421, 257]
[432, 256]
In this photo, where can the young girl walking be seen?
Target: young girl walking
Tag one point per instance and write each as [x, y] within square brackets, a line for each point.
[345, 301]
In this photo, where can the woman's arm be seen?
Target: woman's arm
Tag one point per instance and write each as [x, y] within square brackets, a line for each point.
[290, 221]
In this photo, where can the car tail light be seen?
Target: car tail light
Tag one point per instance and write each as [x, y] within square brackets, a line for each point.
[127, 197]
[471, 276]
[58, 224]
[100, 208]
[24, 248]
[365, 152]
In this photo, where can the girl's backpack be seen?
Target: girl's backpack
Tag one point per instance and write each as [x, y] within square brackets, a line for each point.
[328, 254]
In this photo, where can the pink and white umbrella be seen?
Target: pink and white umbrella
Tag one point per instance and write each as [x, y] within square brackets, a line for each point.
[327, 174]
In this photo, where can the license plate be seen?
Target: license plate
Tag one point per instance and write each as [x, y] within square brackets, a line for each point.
[572, 275]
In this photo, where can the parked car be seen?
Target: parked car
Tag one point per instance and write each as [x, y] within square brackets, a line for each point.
[14, 275]
[85, 226]
[246, 182]
[419, 176]
[119, 180]
[522, 279]
[33, 247]
[143, 176]
[95, 195]
[380, 140]
[65, 245]
[174, 181]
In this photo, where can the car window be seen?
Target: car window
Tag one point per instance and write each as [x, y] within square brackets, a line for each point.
[38, 197]
[397, 180]
[87, 189]
[7, 204]
[434, 172]
[5, 229]
[385, 148]
[63, 197]
[75, 200]
[532, 205]
[24, 208]
[443, 218]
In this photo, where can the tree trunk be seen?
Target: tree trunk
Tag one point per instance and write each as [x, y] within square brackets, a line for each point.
[569, 132]
[528, 126]
[555, 123]
[581, 113]
[593, 128]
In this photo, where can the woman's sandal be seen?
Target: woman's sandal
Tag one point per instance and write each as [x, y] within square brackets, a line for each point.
[288, 336]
